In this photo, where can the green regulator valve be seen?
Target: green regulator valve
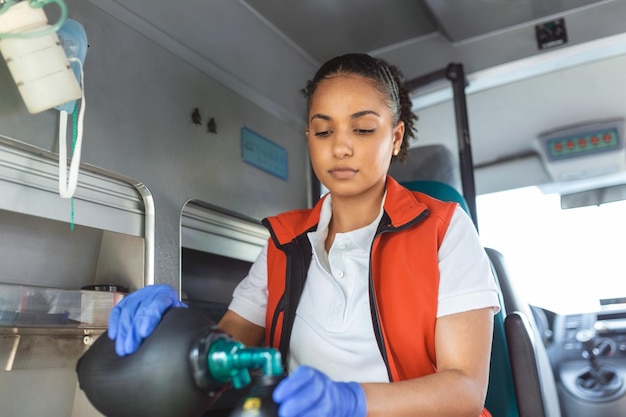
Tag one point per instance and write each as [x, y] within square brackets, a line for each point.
[216, 359]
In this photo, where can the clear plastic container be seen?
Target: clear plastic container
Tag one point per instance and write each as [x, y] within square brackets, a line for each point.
[31, 306]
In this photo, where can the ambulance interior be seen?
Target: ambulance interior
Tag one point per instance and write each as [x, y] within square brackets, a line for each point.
[531, 134]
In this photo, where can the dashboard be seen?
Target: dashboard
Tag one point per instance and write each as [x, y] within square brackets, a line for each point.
[588, 356]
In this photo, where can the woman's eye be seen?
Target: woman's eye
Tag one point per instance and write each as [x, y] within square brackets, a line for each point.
[323, 133]
[364, 131]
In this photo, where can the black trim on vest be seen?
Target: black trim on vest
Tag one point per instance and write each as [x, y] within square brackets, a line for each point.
[280, 307]
[298, 255]
[384, 226]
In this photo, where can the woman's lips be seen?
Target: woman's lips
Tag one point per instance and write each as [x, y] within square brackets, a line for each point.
[343, 173]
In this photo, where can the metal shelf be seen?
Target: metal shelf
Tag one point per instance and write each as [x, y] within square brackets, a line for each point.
[69, 330]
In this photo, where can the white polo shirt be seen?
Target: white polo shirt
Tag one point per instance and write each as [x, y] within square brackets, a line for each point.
[333, 329]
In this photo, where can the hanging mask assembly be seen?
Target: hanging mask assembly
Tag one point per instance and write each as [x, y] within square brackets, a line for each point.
[35, 56]
[46, 63]
[180, 370]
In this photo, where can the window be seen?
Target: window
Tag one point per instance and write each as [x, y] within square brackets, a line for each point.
[562, 260]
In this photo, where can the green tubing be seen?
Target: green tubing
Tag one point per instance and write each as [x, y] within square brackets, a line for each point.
[36, 4]
[231, 361]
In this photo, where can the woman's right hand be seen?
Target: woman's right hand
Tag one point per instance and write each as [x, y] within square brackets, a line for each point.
[135, 317]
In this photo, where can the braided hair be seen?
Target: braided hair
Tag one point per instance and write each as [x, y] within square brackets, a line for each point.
[386, 78]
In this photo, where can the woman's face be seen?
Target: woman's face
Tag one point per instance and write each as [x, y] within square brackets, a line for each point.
[351, 135]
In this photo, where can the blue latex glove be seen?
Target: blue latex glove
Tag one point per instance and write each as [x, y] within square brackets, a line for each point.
[307, 392]
[137, 315]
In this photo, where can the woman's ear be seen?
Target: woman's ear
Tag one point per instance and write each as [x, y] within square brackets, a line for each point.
[398, 134]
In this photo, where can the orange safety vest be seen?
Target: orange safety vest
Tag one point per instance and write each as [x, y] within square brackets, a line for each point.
[403, 277]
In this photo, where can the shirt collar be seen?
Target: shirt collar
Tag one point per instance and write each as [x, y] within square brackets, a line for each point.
[362, 237]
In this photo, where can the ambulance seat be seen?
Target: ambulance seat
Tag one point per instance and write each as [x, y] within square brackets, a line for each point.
[515, 386]
[529, 358]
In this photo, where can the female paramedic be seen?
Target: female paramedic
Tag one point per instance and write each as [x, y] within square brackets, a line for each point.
[381, 300]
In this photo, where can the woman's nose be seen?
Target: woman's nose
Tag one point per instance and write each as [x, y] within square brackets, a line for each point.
[342, 146]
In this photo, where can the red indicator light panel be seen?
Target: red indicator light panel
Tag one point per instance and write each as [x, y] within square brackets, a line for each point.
[583, 144]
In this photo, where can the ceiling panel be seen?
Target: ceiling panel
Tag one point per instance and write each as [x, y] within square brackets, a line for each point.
[325, 28]
[460, 20]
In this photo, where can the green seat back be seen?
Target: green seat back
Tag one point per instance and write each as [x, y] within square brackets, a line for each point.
[501, 400]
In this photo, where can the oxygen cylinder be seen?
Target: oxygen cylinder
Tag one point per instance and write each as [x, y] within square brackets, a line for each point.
[38, 63]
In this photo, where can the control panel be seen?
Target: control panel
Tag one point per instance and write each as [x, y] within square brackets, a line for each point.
[609, 334]
[583, 150]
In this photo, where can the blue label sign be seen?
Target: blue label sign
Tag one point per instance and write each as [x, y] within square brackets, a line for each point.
[263, 153]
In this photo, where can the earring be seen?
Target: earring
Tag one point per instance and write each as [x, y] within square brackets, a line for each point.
[396, 152]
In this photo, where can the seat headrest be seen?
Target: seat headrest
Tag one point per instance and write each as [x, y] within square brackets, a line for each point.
[438, 190]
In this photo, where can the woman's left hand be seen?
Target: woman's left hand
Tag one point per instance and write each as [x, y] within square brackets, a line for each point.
[307, 392]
